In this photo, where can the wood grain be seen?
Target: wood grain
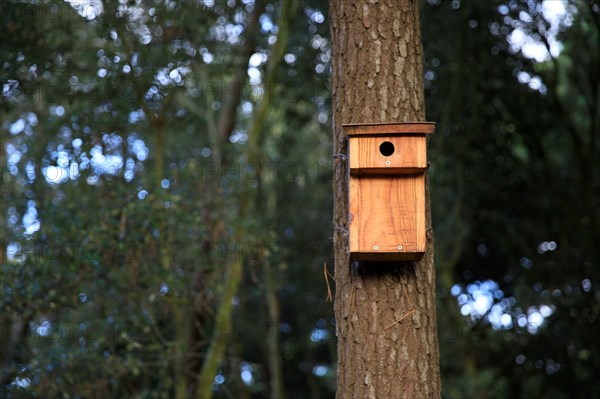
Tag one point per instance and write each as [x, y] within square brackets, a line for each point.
[387, 213]
[388, 128]
[409, 155]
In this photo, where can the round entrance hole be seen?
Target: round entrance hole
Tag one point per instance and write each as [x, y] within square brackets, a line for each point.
[386, 148]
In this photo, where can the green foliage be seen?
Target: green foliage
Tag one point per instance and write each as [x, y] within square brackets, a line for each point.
[515, 161]
[112, 290]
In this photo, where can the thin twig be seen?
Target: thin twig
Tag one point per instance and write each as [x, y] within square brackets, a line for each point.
[325, 272]
[400, 319]
[330, 275]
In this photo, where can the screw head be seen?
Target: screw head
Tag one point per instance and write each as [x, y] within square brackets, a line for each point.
[387, 162]
[400, 247]
[376, 247]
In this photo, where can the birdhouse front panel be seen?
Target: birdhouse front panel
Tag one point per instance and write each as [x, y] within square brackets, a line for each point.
[387, 163]
[404, 154]
[387, 217]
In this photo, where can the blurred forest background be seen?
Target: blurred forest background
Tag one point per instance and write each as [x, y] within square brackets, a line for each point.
[166, 198]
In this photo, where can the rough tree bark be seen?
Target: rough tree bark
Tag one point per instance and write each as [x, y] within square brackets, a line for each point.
[385, 313]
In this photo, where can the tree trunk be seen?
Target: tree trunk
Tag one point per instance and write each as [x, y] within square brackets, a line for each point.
[385, 312]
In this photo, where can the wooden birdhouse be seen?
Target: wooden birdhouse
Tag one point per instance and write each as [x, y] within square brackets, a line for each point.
[388, 162]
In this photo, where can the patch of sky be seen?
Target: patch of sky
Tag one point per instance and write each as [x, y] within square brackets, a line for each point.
[485, 300]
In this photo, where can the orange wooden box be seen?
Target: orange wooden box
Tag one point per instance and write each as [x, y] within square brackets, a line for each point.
[388, 162]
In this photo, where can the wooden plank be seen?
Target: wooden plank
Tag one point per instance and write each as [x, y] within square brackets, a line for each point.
[387, 217]
[396, 128]
[409, 155]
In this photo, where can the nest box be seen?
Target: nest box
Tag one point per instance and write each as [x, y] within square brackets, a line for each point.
[388, 162]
